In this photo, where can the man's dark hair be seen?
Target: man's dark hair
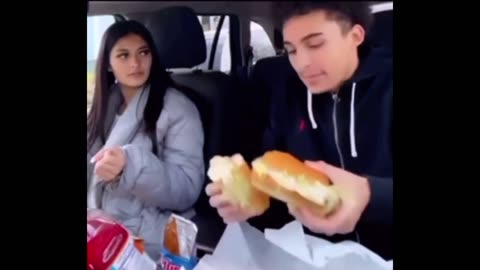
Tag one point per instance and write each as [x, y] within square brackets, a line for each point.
[345, 12]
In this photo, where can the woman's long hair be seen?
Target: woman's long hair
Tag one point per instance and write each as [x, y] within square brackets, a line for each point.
[159, 80]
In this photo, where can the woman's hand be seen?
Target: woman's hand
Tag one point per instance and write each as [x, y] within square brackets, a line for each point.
[109, 163]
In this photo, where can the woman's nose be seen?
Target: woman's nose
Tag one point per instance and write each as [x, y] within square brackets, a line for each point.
[134, 62]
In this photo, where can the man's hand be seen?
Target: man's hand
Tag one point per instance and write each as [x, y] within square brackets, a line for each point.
[354, 193]
[109, 163]
[229, 211]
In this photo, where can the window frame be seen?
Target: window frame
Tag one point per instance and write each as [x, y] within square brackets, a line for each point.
[234, 51]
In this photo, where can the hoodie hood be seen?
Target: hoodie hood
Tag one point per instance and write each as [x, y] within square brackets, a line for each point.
[371, 62]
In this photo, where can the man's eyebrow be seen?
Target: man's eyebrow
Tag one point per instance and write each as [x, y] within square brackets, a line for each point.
[312, 35]
[309, 36]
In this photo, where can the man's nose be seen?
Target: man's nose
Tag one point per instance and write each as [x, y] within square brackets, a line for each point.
[302, 60]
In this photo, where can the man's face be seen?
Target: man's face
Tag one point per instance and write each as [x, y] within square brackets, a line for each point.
[322, 50]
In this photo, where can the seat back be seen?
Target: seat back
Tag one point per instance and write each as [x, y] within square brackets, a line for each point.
[268, 75]
[381, 32]
[181, 45]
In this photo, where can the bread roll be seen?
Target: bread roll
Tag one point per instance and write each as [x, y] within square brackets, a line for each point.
[286, 178]
[235, 175]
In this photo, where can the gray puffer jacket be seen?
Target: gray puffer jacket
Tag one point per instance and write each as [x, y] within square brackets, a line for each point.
[152, 187]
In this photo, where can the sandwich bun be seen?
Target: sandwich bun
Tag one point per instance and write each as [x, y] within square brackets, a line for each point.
[287, 179]
[235, 175]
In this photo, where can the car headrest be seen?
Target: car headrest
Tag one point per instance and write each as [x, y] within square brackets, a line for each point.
[381, 33]
[178, 36]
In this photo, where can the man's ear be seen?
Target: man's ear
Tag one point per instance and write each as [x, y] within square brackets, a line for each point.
[358, 34]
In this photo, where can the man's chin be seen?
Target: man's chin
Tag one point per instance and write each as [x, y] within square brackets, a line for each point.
[319, 88]
[315, 89]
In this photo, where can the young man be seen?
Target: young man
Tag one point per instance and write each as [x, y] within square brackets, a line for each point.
[336, 112]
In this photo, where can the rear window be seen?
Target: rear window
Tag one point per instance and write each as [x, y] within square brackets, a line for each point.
[222, 61]
[260, 42]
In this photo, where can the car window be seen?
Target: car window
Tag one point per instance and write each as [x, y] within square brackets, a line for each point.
[222, 61]
[260, 42]
[96, 26]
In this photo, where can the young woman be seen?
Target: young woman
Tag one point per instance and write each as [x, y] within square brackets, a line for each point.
[145, 139]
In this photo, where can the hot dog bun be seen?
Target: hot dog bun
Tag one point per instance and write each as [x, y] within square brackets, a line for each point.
[235, 175]
[286, 178]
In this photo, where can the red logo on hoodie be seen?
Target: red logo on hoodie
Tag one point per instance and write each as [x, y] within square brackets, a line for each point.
[303, 125]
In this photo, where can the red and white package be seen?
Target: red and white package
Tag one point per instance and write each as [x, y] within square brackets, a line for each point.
[110, 246]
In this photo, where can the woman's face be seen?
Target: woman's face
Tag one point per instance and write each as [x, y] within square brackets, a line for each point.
[130, 61]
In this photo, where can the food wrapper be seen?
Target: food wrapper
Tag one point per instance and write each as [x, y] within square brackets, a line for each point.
[179, 251]
[111, 246]
[244, 247]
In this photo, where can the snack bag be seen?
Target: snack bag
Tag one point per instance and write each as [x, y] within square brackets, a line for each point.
[110, 246]
[179, 249]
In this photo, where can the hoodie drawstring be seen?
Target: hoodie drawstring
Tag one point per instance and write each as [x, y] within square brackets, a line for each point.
[353, 146]
[310, 112]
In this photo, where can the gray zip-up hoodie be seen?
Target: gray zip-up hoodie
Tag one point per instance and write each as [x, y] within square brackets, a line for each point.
[151, 187]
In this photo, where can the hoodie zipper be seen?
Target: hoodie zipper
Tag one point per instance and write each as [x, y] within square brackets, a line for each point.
[336, 99]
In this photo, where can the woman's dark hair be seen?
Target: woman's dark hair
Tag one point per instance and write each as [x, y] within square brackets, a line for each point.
[349, 12]
[159, 80]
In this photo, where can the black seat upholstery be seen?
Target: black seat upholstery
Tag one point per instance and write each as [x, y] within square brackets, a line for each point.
[381, 33]
[181, 44]
[268, 75]
[178, 36]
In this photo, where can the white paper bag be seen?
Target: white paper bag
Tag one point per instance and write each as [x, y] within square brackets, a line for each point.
[244, 247]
